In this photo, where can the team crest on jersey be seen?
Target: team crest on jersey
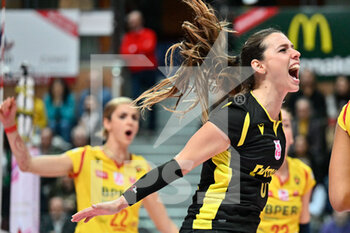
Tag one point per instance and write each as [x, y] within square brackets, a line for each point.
[283, 194]
[297, 179]
[278, 149]
[118, 178]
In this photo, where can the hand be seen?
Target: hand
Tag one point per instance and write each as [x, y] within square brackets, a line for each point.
[105, 208]
[8, 111]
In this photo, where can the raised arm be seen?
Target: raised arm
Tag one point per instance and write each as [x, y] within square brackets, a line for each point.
[157, 212]
[49, 166]
[208, 141]
[339, 171]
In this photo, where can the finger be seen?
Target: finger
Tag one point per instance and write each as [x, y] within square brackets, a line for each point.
[78, 216]
[88, 219]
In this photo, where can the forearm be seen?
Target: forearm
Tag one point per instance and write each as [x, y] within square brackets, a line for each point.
[153, 181]
[19, 150]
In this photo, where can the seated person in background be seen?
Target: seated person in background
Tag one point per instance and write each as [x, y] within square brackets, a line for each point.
[64, 188]
[96, 88]
[57, 221]
[91, 120]
[80, 137]
[60, 108]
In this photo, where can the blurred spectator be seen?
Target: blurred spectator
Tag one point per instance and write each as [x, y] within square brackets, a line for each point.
[64, 188]
[308, 90]
[80, 137]
[301, 149]
[97, 89]
[314, 131]
[57, 221]
[342, 91]
[91, 119]
[46, 143]
[140, 40]
[339, 98]
[60, 107]
[338, 224]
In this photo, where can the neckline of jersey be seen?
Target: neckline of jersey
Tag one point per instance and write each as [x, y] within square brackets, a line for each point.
[288, 177]
[115, 162]
[266, 112]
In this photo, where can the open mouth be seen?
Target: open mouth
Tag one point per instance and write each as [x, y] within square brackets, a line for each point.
[294, 71]
[128, 132]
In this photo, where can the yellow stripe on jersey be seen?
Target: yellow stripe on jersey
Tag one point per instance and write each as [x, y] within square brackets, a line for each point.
[244, 129]
[261, 128]
[226, 105]
[275, 126]
[216, 192]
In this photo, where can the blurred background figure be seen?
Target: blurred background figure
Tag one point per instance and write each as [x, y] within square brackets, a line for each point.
[309, 91]
[80, 137]
[64, 188]
[57, 221]
[46, 143]
[97, 89]
[313, 130]
[60, 108]
[342, 91]
[301, 149]
[140, 40]
[91, 119]
[339, 223]
[339, 97]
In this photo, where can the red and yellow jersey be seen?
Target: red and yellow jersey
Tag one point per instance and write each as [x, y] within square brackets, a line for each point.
[282, 211]
[97, 179]
[344, 118]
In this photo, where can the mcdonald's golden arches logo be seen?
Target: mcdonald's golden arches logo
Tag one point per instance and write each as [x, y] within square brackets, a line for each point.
[309, 27]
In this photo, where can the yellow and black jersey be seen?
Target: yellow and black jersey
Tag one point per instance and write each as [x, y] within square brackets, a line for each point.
[283, 209]
[344, 118]
[98, 178]
[234, 184]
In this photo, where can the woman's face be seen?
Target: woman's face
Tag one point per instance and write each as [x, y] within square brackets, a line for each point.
[281, 63]
[287, 128]
[124, 124]
[57, 89]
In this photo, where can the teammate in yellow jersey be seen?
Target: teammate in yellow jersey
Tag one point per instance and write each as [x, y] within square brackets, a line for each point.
[287, 208]
[100, 173]
[339, 168]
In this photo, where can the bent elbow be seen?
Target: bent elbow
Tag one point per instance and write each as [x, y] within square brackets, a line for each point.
[340, 201]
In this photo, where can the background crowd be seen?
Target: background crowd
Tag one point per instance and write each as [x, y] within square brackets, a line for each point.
[67, 115]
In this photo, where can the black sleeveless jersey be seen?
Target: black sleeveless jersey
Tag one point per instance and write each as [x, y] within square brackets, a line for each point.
[233, 188]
